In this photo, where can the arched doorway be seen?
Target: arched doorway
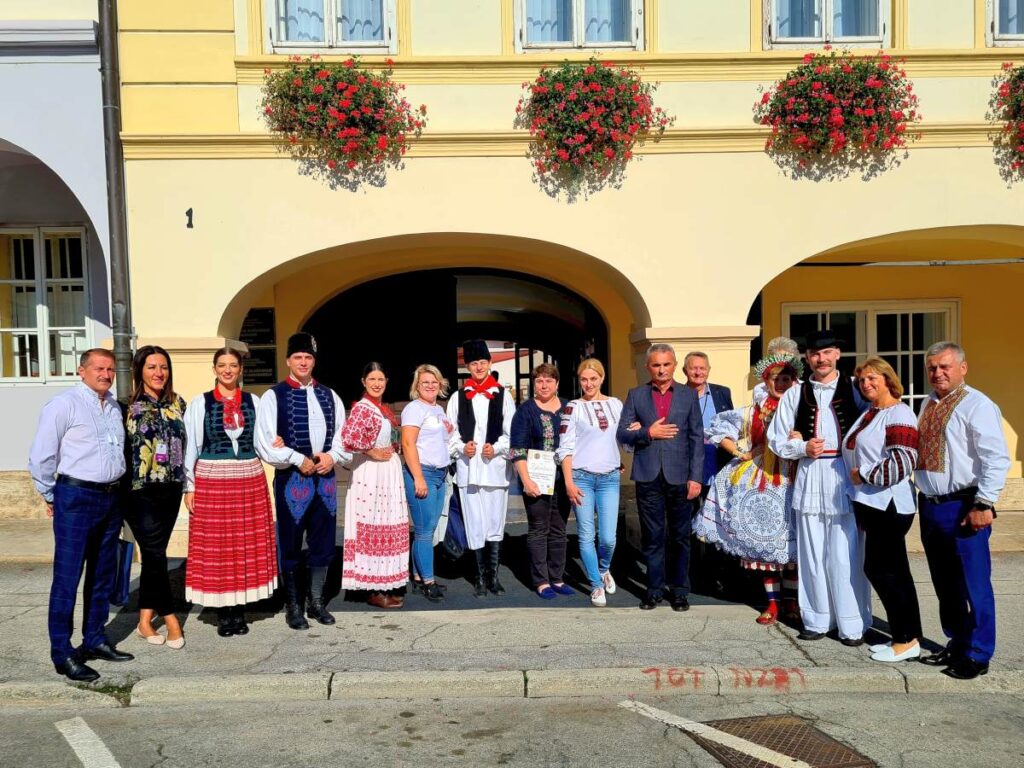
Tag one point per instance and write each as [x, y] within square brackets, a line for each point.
[406, 319]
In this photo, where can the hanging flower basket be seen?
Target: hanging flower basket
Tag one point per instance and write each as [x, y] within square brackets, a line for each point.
[341, 118]
[586, 120]
[1006, 108]
[838, 112]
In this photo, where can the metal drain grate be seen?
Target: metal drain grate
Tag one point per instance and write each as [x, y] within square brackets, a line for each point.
[786, 734]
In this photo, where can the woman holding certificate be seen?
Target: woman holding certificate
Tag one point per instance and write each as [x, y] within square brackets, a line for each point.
[589, 455]
[533, 441]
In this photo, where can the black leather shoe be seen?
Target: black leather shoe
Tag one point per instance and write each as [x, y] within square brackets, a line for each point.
[851, 642]
[293, 616]
[650, 602]
[238, 622]
[225, 622]
[680, 604]
[494, 586]
[943, 658]
[480, 588]
[75, 670]
[315, 609]
[809, 635]
[433, 591]
[106, 652]
[965, 669]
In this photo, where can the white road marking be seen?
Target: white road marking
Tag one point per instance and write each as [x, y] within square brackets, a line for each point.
[89, 748]
[749, 748]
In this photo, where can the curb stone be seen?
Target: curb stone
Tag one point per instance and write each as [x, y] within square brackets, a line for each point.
[411, 685]
[212, 688]
[50, 694]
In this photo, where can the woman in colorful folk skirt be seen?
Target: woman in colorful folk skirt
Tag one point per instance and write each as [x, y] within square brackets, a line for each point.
[376, 553]
[749, 509]
[232, 554]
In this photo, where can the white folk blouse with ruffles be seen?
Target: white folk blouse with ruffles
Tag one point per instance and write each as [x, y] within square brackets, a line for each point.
[882, 445]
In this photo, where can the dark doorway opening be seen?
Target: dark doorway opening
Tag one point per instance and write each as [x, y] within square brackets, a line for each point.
[419, 317]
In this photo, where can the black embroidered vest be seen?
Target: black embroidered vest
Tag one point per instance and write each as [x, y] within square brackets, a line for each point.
[495, 417]
[216, 443]
[844, 405]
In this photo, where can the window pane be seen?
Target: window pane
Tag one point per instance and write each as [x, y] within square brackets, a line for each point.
[801, 325]
[361, 20]
[63, 254]
[855, 18]
[18, 305]
[1011, 17]
[844, 325]
[302, 21]
[885, 327]
[66, 304]
[798, 18]
[19, 355]
[607, 21]
[932, 330]
[549, 21]
[66, 347]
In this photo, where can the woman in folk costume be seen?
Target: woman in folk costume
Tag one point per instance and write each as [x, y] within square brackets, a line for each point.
[749, 509]
[376, 552]
[482, 412]
[232, 556]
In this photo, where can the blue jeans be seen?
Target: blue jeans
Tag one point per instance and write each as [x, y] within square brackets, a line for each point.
[86, 527]
[600, 494]
[425, 514]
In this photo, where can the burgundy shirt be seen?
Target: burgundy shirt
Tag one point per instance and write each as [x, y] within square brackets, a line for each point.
[662, 402]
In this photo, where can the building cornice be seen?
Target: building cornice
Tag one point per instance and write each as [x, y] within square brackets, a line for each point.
[32, 38]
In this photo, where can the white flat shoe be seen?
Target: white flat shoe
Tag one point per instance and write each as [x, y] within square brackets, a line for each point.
[609, 582]
[597, 598]
[176, 645]
[879, 646]
[156, 639]
[888, 655]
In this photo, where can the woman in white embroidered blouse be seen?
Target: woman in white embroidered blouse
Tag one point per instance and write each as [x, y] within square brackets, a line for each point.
[881, 452]
[591, 465]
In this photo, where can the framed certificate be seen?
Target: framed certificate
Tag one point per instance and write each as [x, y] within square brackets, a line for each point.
[542, 469]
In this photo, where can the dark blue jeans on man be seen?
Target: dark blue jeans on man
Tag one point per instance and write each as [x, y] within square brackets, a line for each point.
[961, 569]
[86, 527]
[665, 520]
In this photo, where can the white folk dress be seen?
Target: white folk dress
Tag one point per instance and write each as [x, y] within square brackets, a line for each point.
[376, 550]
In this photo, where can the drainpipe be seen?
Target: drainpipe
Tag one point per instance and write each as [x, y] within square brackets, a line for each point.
[120, 297]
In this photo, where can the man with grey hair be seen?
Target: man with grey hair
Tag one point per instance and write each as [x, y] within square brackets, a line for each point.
[668, 466]
[961, 470]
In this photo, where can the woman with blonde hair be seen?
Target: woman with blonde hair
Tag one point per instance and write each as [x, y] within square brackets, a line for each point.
[425, 434]
[880, 451]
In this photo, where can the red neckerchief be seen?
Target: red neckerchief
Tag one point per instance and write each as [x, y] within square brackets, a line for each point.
[388, 413]
[296, 384]
[234, 418]
[483, 388]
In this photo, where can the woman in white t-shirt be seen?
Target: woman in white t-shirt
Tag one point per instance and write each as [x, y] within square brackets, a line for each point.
[425, 433]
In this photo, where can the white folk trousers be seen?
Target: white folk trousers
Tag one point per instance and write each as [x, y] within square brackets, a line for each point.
[483, 510]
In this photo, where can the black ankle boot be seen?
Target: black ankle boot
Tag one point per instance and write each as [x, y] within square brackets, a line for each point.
[293, 605]
[480, 586]
[315, 608]
[225, 624]
[238, 620]
[491, 575]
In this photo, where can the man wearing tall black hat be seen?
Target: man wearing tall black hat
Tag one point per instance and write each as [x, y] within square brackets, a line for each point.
[833, 590]
[483, 411]
[308, 417]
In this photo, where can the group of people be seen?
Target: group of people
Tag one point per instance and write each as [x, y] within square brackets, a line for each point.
[809, 486]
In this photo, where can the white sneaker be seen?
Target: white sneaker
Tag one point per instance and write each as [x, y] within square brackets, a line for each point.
[878, 647]
[609, 582]
[597, 598]
[889, 655]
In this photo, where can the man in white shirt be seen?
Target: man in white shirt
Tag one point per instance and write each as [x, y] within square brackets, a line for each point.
[833, 591]
[961, 470]
[308, 417]
[76, 461]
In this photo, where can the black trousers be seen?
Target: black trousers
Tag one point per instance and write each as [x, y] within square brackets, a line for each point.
[665, 523]
[888, 569]
[545, 536]
[151, 513]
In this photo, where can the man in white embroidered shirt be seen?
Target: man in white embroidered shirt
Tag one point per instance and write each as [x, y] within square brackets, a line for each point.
[961, 470]
[76, 460]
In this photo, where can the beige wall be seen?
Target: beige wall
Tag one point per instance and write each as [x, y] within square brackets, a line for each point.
[940, 23]
[700, 25]
[456, 27]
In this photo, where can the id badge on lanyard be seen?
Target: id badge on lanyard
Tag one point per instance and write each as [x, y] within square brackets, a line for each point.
[160, 452]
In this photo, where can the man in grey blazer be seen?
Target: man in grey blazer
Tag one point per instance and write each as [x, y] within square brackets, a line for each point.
[668, 467]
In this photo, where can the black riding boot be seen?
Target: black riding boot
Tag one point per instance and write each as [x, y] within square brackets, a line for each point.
[491, 576]
[315, 608]
[480, 587]
[293, 605]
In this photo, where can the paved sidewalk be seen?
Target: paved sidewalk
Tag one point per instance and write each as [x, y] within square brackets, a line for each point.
[512, 645]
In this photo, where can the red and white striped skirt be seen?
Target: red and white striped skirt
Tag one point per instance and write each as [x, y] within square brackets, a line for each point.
[232, 553]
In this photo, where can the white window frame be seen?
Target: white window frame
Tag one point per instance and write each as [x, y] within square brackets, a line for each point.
[43, 327]
[868, 340]
[578, 43]
[388, 45]
[993, 38]
[883, 40]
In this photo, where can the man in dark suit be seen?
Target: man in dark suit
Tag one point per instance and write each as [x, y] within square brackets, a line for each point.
[707, 565]
[668, 467]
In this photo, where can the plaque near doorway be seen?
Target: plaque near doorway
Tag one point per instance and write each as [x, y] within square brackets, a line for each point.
[259, 335]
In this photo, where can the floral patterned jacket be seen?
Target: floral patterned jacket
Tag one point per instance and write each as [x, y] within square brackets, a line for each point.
[151, 424]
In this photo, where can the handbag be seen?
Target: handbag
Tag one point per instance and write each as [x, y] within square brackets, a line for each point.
[123, 572]
[454, 544]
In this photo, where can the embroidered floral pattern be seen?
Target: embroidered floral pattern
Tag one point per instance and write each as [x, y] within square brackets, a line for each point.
[932, 441]
[151, 423]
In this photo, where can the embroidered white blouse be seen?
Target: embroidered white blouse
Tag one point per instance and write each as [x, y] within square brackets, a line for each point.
[592, 448]
[882, 445]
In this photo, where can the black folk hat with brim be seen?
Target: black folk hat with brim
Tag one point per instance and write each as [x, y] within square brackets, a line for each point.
[823, 340]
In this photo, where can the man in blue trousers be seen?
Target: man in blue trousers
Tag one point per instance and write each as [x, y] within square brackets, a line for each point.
[76, 461]
[961, 470]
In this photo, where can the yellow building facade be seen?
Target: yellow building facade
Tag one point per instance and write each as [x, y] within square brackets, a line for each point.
[707, 244]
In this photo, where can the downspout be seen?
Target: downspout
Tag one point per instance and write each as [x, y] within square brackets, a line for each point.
[120, 295]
